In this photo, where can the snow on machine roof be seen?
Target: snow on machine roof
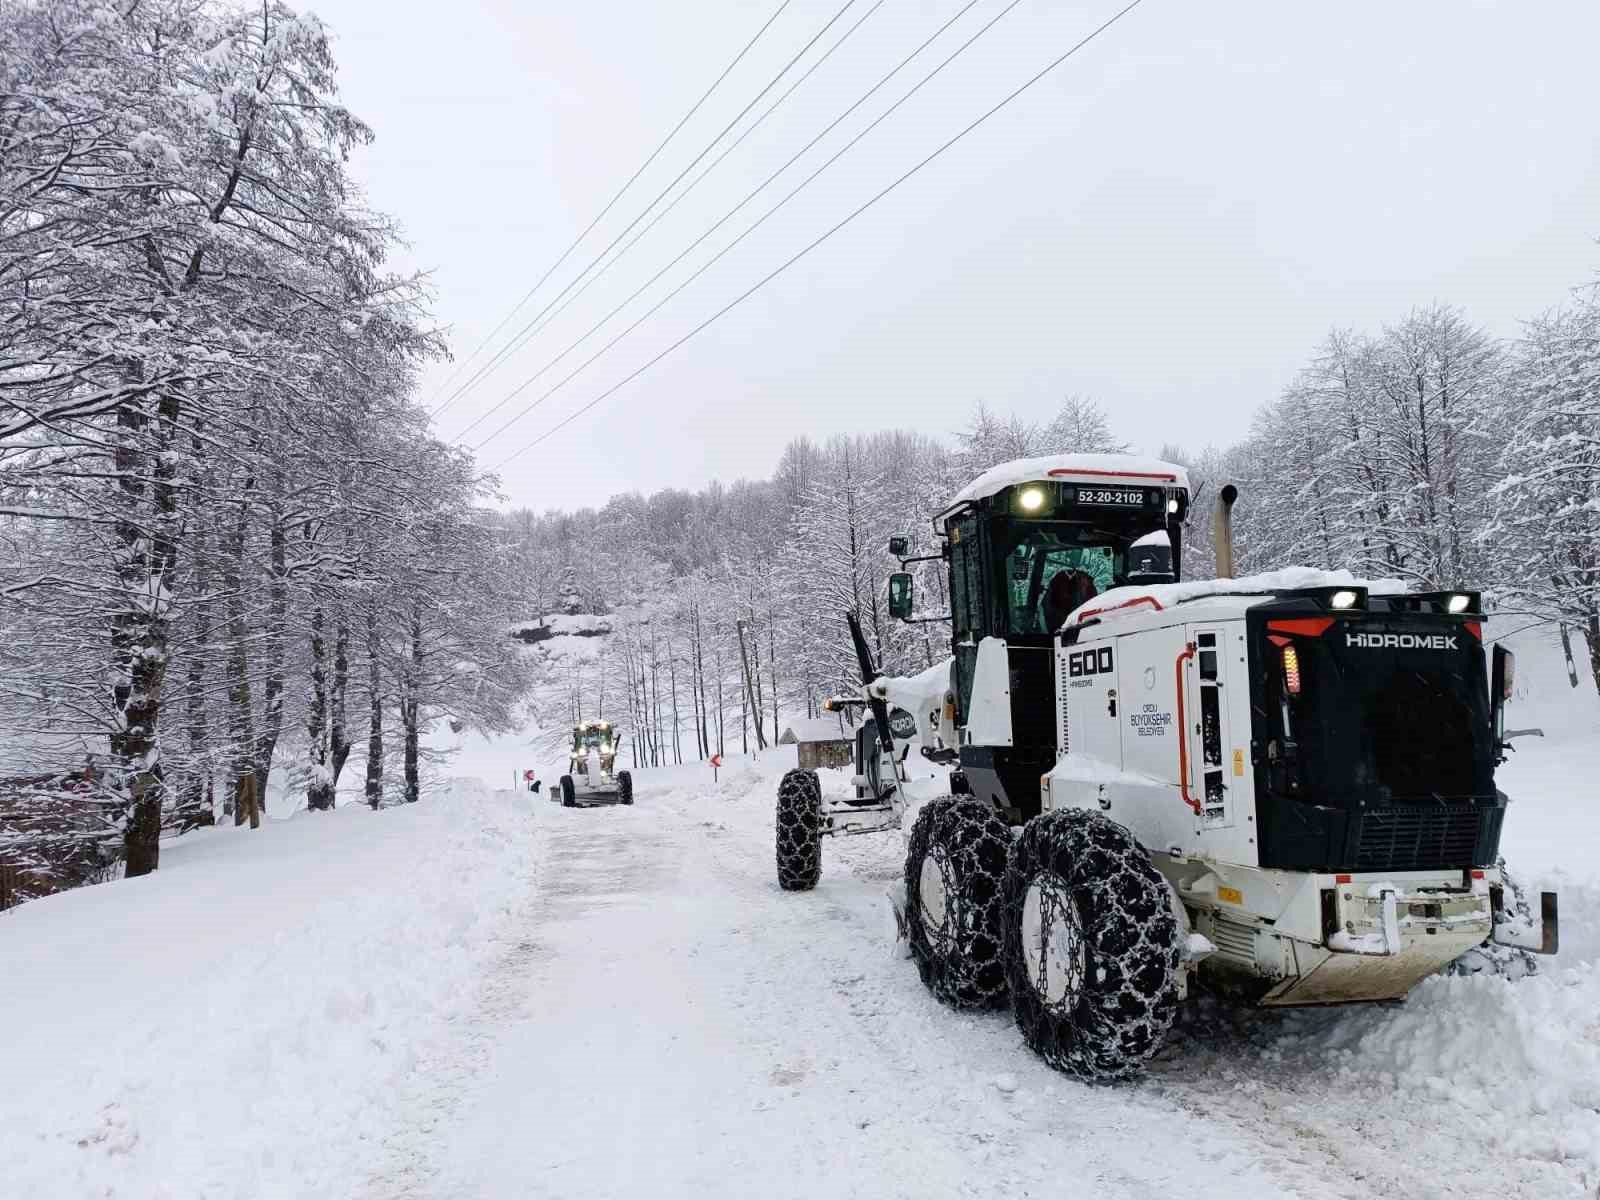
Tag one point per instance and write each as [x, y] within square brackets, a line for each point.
[1072, 468]
[1124, 602]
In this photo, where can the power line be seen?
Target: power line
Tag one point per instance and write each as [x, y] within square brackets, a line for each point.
[610, 204]
[751, 195]
[758, 222]
[766, 279]
[563, 305]
[510, 347]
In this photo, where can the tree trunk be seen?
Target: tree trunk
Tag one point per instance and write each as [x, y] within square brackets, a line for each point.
[194, 805]
[409, 708]
[1592, 632]
[721, 711]
[241, 719]
[677, 723]
[319, 790]
[772, 662]
[339, 724]
[408, 720]
[375, 718]
[277, 629]
[754, 699]
[146, 557]
[246, 800]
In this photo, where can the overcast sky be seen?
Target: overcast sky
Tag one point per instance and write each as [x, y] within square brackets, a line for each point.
[1170, 222]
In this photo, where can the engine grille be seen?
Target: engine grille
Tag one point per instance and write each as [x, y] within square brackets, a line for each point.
[1234, 940]
[1418, 838]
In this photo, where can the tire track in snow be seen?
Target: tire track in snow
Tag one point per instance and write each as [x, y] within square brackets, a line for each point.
[1025, 1136]
[444, 1074]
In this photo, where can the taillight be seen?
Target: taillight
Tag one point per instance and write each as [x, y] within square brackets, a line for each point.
[1291, 670]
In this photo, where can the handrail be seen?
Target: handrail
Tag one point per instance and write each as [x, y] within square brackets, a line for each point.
[1094, 612]
[1183, 735]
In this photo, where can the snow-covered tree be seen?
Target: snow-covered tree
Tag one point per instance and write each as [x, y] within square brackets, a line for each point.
[1543, 532]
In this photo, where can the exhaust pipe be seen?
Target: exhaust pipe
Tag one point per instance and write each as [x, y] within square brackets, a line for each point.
[1222, 530]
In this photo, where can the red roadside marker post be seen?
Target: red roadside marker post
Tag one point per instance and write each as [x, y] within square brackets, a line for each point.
[716, 761]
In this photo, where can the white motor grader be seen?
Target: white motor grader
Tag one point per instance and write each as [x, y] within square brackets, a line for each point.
[591, 771]
[1284, 782]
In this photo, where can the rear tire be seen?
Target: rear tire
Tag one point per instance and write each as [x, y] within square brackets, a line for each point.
[1092, 947]
[569, 794]
[799, 831]
[955, 870]
[625, 786]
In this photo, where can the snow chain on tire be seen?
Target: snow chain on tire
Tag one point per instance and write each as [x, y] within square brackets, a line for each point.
[955, 870]
[1092, 946]
[799, 831]
[625, 786]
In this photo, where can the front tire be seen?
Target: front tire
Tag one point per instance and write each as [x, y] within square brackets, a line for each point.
[625, 786]
[955, 869]
[569, 794]
[1092, 946]
[799, 831]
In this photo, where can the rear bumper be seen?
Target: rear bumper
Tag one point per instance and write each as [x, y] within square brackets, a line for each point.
[1382, 937]
[1312, 938]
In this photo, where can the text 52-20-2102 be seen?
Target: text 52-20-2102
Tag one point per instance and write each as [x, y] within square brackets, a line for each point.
[1133, 497]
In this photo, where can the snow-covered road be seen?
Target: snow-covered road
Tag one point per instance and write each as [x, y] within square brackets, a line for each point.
[671, 1024]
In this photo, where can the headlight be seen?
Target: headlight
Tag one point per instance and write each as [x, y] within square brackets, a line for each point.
[1458, 603]
[1031, 499]
[1343, 599]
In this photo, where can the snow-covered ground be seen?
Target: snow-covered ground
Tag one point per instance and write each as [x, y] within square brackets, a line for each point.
[486, 995]
[243, 1023]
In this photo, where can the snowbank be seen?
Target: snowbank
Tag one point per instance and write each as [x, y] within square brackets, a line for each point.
[239, 1023]
[1518, 1062]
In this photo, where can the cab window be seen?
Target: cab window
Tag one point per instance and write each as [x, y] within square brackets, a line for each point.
[966, 579]
[1052, 570]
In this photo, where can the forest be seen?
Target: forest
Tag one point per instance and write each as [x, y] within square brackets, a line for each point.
[231, 543]
[235, 551]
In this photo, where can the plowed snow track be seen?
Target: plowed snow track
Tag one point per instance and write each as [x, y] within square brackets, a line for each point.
[670, 1023]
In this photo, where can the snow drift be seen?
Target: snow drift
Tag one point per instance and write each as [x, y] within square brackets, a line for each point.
[240, 1023]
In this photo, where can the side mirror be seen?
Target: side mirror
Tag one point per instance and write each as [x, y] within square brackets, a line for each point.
[900, 593]
[1502, 681]
[900, 546]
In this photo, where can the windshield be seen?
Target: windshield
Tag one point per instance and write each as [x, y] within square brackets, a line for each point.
[1051, 568]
